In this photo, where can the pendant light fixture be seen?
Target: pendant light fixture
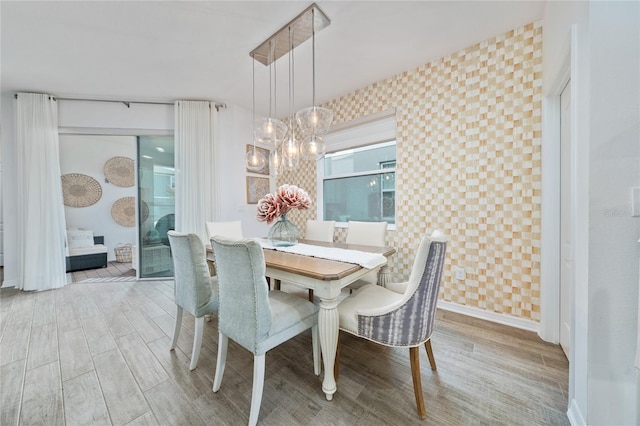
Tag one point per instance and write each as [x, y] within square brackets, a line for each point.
[270, 130]
[314, 121]
[302, 137]
[254, 159]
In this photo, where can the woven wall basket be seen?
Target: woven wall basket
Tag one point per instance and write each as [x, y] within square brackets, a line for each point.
[123, 211]
[80, 190]
[119, 171]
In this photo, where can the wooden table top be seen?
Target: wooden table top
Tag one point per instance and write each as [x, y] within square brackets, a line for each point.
[315, 267]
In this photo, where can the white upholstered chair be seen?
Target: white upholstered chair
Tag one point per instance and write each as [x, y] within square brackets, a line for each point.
[368, 234]
[254, 317]
[319, 230]
[403, 319]
[195, 291]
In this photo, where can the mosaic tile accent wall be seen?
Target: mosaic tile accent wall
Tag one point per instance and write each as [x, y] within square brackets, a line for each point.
[468, 163]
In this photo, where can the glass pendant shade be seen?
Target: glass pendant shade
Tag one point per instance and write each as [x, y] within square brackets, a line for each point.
[312, 147]
[275, 162]
[255, 160]
[270, 130]
[314, 120]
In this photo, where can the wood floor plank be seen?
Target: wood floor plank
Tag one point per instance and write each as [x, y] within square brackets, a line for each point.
[15, 343]
[144, 325]
[83, 401]
[42, 398]
[44, 311]
[147, 419]
[43, 346]
[75, 358]
[98, 335]
[118, 324]
[124, 398]
[11, 379]
[171, 405]
[146, 369]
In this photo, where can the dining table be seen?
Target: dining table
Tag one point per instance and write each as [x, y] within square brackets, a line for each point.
[326, 278]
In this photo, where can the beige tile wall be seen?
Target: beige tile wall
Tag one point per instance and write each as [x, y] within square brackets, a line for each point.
[468, 163]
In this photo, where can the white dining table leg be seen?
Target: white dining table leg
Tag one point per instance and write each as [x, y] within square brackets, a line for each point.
[328, 331]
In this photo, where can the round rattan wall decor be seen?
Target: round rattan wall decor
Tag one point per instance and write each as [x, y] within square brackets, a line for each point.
[80, 190]
[119, 171]
[123, 211]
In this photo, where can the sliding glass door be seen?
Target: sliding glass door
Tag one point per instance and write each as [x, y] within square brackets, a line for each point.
[156, 205]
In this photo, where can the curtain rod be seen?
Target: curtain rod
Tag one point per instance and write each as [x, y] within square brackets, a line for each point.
[127, 103]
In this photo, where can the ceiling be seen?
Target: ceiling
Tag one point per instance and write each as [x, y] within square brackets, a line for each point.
[168, 50]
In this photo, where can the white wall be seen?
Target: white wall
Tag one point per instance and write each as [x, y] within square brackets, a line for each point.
[236, 132]
[604, 387]
[87, 154]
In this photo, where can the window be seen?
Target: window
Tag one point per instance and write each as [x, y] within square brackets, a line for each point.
[359, 184]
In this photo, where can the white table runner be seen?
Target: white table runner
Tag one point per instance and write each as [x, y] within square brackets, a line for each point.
[362, 258]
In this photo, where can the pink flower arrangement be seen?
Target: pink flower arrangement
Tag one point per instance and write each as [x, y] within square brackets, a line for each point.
[287, 197]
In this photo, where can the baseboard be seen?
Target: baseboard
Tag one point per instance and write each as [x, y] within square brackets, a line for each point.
[9, 283]
[574, 414]
[509, 320]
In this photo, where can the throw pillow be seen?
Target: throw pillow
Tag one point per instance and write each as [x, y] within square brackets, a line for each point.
[78, 238]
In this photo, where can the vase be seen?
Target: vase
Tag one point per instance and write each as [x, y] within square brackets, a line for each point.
[283, 233]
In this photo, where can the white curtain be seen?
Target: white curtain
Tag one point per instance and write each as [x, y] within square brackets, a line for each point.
[196, 148]
[41, 222]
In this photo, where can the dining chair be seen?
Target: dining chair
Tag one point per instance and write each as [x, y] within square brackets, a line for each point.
[397, 319]
[254, 317]
[368, 234]
[195, 291]
[319, 230]
[232, 229]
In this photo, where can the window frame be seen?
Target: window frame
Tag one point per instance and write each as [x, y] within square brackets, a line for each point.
[372, 130]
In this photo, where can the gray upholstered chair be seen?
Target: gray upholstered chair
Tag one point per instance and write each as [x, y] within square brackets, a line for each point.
[195, 291]
[367, 234]
[253, 316]
[393, 319]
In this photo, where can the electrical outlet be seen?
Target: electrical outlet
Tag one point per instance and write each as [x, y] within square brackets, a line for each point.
[459, 273]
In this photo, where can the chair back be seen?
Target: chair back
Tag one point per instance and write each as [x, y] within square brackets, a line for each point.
[367, 233]
[192, 281]
[412, 323]
[232, 229]
[244, 314]
[320, 230]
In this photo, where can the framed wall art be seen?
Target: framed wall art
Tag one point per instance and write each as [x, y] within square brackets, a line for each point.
[257, 187]
[265, 170]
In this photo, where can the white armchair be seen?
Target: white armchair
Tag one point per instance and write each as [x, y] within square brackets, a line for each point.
[367, 234]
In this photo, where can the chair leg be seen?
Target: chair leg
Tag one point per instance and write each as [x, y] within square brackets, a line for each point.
[414, 356]
[432, 360]
[176, 327]
[316, 350]
[336, 363]
[223, 343]
[276, 284]
[311, 296]
[197, 342]
[258, 385]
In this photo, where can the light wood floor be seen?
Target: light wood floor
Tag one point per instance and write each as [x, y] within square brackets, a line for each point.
[97, 354]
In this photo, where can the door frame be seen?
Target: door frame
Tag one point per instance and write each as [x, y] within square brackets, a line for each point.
[550, 262]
